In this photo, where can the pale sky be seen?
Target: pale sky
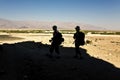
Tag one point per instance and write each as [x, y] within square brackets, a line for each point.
[104, 13]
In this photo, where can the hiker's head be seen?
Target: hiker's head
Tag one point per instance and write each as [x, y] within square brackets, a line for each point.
[54, 27]
[77, 28]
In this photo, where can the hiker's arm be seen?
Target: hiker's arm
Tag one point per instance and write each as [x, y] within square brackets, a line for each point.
[74, 36]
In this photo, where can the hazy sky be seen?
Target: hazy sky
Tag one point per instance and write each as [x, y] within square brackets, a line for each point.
[105, 13]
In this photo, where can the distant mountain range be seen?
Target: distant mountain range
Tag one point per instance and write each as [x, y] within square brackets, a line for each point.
[10, 24]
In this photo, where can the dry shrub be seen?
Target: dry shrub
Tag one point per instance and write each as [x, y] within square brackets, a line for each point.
[88, 42]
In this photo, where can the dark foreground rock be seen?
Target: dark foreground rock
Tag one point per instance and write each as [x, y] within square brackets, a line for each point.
[28, 61]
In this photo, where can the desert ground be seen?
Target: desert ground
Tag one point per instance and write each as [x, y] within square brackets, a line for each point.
[106, 47]
[102, 50]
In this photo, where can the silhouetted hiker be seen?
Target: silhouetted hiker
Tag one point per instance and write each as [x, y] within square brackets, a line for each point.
[79, 41]
[56, 40]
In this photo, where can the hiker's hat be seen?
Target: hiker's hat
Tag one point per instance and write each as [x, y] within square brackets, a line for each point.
[77, 27]
[54, 26]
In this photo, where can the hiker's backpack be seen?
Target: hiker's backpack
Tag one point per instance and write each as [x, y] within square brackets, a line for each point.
[58, 39]
[61, 39]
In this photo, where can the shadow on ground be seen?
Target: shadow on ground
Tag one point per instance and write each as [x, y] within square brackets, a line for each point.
[28, 61]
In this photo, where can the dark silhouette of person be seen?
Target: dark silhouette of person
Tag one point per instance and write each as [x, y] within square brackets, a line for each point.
[79, 41]
[55, 42]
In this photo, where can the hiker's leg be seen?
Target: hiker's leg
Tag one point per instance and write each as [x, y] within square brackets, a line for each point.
[77, 50]
[80, 55]
[57, 49]
[51, 49]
